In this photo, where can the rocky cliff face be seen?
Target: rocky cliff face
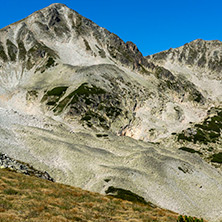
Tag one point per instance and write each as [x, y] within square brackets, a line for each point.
[80, 103]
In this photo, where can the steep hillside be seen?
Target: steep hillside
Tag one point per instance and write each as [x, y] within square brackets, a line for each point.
[88, 108]
[24, 198]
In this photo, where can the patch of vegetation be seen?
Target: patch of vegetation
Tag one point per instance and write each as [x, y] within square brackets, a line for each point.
[22, 50]
[188, 219]
[87, 117]
[90, 115]
[57, 91]
[190, 150]
[3, 55]
[93, 105]
[53, 96]
[209, 131]
[125, 195]
[37, 52]
[101, 106]
[112, 111]
[197, 96]
[51, 103]
[88, 48]
[183, 137]
[86, 90]
[83, 91]
[217, 158]
[50, 62]
[42, 200]
[12, 50]
[210, 149]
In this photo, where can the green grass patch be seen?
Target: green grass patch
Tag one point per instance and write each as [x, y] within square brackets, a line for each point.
[53, 96]
[217, 158]
[209, 131]
[58, 91]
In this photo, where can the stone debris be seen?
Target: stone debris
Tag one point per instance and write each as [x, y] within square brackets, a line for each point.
[8, 163]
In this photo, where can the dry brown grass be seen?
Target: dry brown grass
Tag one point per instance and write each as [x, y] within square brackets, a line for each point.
[25, 198]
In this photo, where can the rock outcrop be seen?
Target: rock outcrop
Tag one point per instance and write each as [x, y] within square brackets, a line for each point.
[8, 163]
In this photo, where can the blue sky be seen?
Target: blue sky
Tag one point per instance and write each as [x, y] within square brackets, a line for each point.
[154, 26]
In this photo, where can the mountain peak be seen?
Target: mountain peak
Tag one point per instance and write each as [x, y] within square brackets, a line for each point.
[57, 5]
[204, 54]
[70, 91]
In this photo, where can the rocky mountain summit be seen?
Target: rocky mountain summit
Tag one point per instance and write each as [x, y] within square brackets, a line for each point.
[91, 110]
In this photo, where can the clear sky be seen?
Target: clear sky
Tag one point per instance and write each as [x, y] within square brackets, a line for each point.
[153, 25]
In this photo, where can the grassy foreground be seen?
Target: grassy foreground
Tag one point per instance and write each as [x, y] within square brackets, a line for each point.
[26, 198]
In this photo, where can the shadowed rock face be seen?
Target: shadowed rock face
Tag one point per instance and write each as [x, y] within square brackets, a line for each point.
[80, 103]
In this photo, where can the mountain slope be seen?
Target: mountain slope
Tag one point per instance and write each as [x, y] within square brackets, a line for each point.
[28, 198]
[199, 62]
[79, 103]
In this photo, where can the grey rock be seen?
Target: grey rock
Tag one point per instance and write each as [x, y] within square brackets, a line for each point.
[15, 165]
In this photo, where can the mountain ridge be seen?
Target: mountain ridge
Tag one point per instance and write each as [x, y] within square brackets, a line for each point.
[71, 91]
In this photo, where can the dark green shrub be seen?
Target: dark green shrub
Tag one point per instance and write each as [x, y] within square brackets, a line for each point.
[50, 62]
[188, 219]
[217, 158]
[209, 131]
